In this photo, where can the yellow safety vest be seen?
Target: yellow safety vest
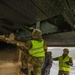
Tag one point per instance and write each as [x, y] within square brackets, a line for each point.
[37, 49]
[62, 65]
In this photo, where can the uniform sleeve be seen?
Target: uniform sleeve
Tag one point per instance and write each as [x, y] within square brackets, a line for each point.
[71, 61]
[28, 45]
[48, 63]
[56, 59]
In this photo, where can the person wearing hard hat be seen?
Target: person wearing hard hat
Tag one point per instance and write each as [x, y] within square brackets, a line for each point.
[36, 52]
[65, 61]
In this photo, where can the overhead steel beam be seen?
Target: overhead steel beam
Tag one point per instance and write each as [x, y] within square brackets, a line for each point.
[60, 39]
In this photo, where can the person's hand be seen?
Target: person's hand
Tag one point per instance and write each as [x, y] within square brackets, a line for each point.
[67, 62]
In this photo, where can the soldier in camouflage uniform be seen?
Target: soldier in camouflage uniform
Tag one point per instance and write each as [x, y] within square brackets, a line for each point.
[34, 52]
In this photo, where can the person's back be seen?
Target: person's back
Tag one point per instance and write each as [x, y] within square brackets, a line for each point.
[36, 51]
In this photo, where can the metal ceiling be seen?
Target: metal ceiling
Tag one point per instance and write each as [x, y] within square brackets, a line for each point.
[15, 14]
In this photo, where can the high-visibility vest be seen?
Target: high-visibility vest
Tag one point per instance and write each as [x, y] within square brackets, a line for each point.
[62, 65]
[37, 49]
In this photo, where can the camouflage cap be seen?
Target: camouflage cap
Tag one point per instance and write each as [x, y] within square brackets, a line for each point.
[65, 49]
[37, 33]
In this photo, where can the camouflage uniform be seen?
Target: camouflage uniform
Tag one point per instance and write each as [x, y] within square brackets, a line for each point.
[36, 62]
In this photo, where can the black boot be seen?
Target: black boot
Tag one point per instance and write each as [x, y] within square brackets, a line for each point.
[32, 73]
[25, 71]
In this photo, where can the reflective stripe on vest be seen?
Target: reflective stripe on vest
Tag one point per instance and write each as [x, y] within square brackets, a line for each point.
[62, 65]
[37, 49]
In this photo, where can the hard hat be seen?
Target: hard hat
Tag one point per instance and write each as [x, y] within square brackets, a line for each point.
[37, 33]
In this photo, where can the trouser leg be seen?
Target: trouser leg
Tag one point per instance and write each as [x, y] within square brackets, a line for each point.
[37, 70]
[66, 73]
[60, 72]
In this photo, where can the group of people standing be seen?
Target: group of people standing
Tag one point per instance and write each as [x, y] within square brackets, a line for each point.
[41, 60]
[65, 61]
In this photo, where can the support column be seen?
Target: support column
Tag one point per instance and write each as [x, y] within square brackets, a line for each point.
[38, 25]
